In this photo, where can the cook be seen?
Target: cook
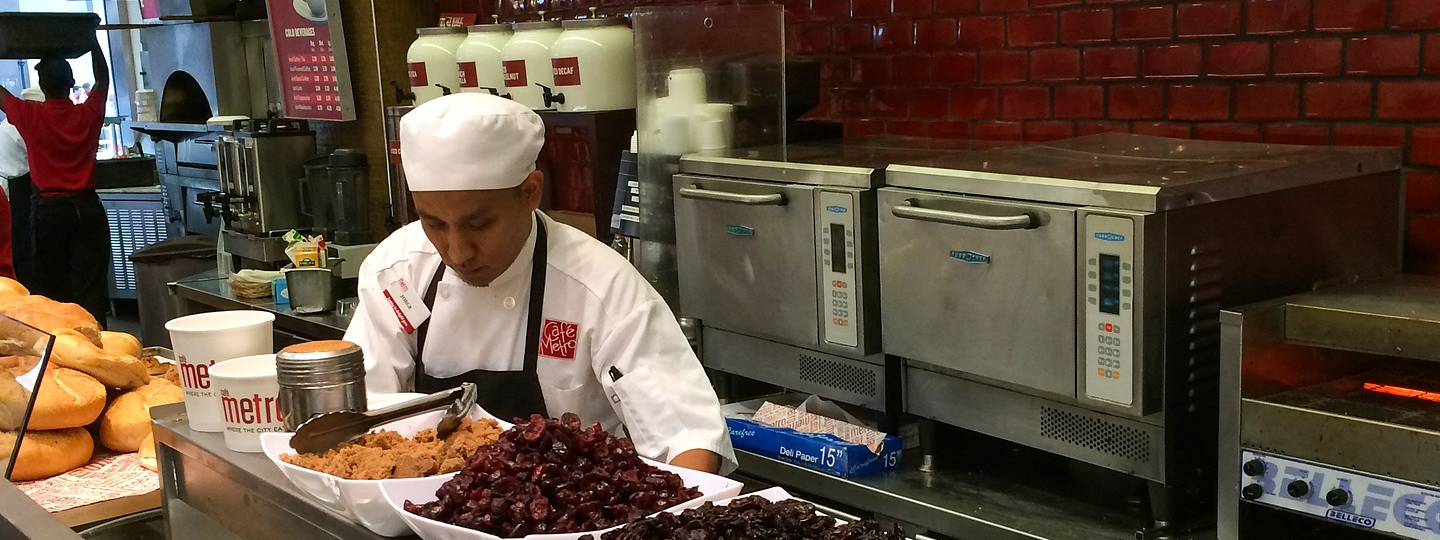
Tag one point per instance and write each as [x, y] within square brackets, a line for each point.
[545, 319]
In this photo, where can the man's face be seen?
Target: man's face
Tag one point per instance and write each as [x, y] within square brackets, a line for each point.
[479, 233]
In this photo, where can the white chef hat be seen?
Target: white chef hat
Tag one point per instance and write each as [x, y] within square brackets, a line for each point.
[33, 93]
[465, 142]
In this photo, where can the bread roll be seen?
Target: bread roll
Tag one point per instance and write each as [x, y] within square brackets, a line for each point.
[127, 421]
[147, 453]
[72, 350]
[11, 288]
[49, 315]
[13, 399]
[18, 365]
[67, 399]
[47, 453]
[120, 343]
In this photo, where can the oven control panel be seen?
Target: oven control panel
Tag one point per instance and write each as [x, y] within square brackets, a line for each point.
[836, 218]
[1341, 495]
[1109, 338]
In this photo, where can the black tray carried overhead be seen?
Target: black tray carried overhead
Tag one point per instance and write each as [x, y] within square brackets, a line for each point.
[46, 35]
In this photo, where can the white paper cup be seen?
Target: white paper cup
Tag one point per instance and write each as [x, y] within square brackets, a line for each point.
[686, 86]
[249, 400]
[202, 340]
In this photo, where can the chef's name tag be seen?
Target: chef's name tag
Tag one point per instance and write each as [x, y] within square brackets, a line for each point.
[408, 308]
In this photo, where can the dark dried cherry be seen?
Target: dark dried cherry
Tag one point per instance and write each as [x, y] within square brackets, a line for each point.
[750, 518]
[553, 476]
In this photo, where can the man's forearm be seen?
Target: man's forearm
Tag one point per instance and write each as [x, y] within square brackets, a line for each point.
[698, 460]
[99, 67]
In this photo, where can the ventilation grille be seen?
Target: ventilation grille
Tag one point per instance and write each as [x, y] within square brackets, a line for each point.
[1206, 290]
[132, 227]
[839, 376]
[1094, 434]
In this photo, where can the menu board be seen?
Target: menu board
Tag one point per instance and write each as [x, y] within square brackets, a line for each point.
[314, 73]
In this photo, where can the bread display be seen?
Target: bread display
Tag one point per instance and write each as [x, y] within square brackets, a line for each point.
[47, 453]
[67, 399]
[127, 421]
[74, 351]
[87, 367]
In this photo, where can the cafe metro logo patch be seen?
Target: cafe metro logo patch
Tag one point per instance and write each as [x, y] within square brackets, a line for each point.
[557, 339]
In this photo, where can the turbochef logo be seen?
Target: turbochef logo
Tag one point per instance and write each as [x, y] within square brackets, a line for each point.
[836, 209]
[972, 257]
[739, 230]
[1110, 236]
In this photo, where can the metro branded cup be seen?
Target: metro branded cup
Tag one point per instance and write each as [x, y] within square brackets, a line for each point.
[202, 340]
[249, 400]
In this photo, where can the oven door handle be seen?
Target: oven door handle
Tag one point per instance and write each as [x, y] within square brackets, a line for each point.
[908, 210]
[698, 193]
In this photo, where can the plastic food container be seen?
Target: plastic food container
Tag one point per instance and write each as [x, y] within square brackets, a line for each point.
[593, 64]
[422, 490]
[526, 62]
[431, 60]
[479, 59]
[360, 500]
[45, 35]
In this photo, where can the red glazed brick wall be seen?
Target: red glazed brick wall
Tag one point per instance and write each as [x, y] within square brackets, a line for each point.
[1345, 72]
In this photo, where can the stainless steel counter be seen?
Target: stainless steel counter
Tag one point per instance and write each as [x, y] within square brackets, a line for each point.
[211, 289]
[214, 493]
[22, 519]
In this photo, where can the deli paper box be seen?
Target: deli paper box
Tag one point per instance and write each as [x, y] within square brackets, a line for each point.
[818, 451]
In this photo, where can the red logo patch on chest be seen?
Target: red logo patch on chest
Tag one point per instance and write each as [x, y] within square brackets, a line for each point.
[557, 339]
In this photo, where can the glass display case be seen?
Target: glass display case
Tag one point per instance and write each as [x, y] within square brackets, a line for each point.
[27, 352]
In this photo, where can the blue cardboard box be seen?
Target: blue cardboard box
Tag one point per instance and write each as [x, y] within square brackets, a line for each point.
[280, 290]
[821, 452]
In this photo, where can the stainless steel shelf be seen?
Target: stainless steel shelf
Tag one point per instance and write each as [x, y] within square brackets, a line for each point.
[1398, 318]
[212, 289]
[968, 506]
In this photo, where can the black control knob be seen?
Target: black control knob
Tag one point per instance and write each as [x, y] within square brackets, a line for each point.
[1298, 488]
[1254, 467]
[1251, 492]
[1337, 497]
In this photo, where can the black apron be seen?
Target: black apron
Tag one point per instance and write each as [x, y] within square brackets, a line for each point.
[505, 394]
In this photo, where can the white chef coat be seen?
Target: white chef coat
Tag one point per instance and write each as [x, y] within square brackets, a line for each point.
[599, 313]
[12, 153]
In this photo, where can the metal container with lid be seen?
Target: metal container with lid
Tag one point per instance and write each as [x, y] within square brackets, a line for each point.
[319, 377]
[526, 63]
[479, 59]
[431, 60]
[593, 65]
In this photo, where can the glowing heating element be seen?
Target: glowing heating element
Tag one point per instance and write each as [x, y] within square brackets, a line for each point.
[1403, 392]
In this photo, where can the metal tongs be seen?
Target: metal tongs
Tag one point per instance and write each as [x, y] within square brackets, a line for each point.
[327, 431]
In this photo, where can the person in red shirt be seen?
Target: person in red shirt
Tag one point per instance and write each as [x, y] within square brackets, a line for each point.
[70, 229]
